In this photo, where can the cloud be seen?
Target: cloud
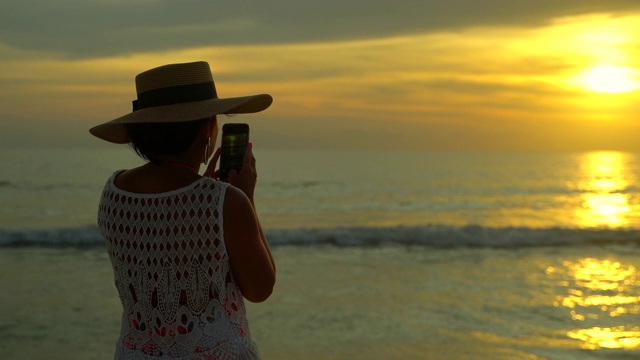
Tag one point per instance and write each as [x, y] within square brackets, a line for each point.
[92, 28]
[340, 76]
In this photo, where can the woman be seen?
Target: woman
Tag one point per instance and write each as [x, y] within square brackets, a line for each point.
[185, 249]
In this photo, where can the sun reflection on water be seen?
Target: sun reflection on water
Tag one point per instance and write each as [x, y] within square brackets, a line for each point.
[602, 295]
[604, 181]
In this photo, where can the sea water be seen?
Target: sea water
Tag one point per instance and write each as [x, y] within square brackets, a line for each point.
[388, 255]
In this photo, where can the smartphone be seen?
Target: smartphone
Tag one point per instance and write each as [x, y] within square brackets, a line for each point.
[235, 138]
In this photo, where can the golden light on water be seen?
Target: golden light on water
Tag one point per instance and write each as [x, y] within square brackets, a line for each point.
[602, 294]
[608, 209]
[603, 184]
[613, 338]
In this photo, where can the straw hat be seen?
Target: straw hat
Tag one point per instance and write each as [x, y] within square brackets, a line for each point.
[175, 93]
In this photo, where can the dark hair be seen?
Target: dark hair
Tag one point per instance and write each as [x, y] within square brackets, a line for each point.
[150, 140]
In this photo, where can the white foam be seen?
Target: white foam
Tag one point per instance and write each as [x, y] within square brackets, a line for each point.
[441, 236]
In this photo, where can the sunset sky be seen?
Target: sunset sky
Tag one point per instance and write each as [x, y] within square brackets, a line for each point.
[541, 75]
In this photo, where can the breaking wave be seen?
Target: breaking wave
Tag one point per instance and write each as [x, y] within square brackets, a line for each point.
[440, 236]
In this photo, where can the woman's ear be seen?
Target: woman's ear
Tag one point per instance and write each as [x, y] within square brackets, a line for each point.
[213, 127]
[207, 128]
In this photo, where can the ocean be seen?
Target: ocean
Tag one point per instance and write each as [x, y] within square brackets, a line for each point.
[380, 255]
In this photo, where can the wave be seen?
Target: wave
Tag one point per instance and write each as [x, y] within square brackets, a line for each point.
[446, 236]
[439, 236]
[32, 186]
[84, 236]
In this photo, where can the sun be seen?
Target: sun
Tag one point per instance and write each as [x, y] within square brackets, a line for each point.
[610, 79]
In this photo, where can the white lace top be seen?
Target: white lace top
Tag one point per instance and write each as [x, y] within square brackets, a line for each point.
[172, 273]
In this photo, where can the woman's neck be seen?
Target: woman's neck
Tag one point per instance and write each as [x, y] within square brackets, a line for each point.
[178, 162]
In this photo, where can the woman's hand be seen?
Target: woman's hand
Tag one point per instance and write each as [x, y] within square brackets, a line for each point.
[247, 178]
[244, 180]
[211, 169]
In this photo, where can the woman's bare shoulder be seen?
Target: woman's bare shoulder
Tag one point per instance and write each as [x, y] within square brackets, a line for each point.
[148, 180]
[237, 206]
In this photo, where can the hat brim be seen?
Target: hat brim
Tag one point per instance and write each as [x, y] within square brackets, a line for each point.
[114, 131]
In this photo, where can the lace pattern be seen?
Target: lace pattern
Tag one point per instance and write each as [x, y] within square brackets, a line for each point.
[172, 273]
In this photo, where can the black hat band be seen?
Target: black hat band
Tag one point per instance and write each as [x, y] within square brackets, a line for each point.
[175, 95]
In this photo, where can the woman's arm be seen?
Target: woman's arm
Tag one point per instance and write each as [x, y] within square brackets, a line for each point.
[263, 237]
[249, 254]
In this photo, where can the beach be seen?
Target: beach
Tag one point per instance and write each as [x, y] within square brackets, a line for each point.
[351, 303]
[443, 261]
